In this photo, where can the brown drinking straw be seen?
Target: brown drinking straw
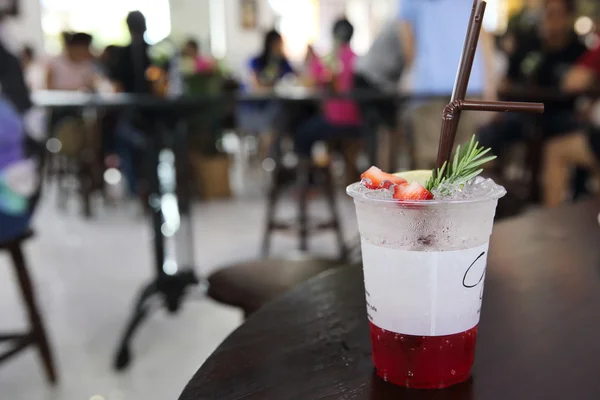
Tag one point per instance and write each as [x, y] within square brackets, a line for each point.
[451, 114]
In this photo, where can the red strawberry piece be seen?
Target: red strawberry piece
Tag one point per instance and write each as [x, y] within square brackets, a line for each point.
[374, 178]
[411, 192]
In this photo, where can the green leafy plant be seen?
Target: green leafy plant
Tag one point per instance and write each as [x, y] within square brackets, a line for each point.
[465, 166]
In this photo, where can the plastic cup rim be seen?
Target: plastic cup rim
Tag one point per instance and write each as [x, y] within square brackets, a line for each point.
[362, 197]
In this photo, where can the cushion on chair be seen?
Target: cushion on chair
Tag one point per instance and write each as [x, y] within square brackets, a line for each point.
[252, 284]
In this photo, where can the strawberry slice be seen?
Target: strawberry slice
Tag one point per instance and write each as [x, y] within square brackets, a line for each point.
[411, 192]
[374, 178]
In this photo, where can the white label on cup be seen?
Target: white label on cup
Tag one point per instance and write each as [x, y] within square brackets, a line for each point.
[419, 293]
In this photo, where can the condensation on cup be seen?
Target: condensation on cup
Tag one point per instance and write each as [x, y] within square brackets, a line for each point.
[424, 266]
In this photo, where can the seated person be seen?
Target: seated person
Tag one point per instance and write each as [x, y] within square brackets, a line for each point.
[270, 65]
[378, 72]
[73, 70]
[540, 67]
[194, 62]
[522, 27]
[339, 117]
[311, 61]
[18, 174]
[266, 70]
[580, 149]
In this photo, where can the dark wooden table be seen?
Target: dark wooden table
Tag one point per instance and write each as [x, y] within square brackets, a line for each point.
[539, 336]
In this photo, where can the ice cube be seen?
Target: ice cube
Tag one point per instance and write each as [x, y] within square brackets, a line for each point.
[476, 188]
[447, 191]
[371, 194]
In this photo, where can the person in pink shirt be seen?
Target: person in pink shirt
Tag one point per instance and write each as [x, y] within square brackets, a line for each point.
[201, 63]
[340, 117]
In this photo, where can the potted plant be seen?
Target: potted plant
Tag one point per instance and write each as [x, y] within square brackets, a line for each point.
[209, 165]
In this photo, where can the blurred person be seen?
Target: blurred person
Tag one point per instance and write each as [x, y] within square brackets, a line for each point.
[340, 118]
[74, 68]
[312, 67]
[270, 65]
[199, 62]
[27, 56]
[129, 74]
[266, 70]
[18, 172]
[432, 36]
[33, 69]
[107, 62]
[108, 59]
[310, 56]
[543, 67]
[379, 71]
[580, 149]
[522, 29]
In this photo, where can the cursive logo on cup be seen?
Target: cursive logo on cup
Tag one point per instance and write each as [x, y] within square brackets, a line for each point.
[474, 274]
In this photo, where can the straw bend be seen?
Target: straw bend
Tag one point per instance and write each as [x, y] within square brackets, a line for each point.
[452, 109]
[451, 114]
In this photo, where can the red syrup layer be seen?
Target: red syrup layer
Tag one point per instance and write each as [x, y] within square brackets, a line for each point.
[423, 362]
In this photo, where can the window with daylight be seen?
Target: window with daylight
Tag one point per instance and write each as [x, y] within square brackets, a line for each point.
[105, 20]
[298, 24]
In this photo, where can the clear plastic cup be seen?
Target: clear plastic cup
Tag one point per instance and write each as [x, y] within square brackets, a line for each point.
[424, 265]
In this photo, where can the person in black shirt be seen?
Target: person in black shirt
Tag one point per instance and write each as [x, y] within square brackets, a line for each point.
[129, 70]
[128, 74]
[522, 27]
[540, 66]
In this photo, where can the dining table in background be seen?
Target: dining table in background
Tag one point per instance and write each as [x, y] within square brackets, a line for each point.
[165, 120]
[538, 334]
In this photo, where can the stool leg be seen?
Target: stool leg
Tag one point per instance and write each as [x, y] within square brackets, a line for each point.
[85, 186]
[330, 194]
[271, 204]
[61, 176]
[303, 186]
[38, 331]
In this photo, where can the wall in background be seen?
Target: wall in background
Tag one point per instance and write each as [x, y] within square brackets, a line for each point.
[216, 24]
[191, 19]
[241, 44]
[26, 28]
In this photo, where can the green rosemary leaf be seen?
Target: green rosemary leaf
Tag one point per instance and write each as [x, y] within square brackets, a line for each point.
[486, 160]
[456, 160]
[463, 167]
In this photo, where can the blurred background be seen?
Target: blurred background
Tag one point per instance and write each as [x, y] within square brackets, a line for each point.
[189, 157]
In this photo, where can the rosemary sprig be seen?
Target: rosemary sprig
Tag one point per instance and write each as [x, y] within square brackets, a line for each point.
[465, 166]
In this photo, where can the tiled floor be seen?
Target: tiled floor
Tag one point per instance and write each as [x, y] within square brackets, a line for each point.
[88, 273]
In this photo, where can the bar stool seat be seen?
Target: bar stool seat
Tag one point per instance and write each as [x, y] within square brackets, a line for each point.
[251, 285]
[36, 336]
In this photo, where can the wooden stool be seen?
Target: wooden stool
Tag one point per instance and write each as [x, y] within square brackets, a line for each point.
[303, 226]
[37, 334]
[251, 285]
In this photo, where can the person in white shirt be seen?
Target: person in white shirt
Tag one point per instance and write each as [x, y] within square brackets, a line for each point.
[74, 68]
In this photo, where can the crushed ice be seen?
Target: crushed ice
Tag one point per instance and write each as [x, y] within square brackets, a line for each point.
[374, 194]
[476, 188]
